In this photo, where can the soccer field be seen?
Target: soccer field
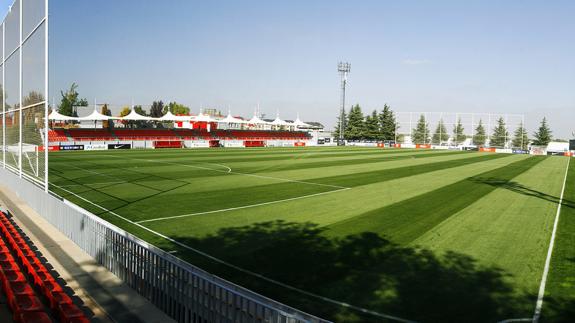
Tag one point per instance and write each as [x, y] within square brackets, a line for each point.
[425, 235]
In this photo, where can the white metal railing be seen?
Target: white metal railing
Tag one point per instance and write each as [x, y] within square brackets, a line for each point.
[183, 291]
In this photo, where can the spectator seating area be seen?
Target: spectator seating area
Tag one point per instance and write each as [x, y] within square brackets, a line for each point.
[57, 135]
[76, 134]
[32, 291]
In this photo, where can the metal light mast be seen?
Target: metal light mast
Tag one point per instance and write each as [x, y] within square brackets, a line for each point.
[343, 69]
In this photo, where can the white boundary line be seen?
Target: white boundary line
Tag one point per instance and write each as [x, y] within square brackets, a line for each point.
[88, 184]
[539, 304]
[241, 207]
[185, 246]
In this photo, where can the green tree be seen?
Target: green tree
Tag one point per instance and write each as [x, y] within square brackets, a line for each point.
[355, 127]
[372, 126]
[500, 134]
[458, 133]
[440, 135]
[107, 124]
[139, 110]
[177, 108]
[387, 124]
[543, 136]
[70, 100]
[479, 138]
[336, 130]
[421, 132]
[32, 98]
[520, 137]
[156, 110]
[124, 112]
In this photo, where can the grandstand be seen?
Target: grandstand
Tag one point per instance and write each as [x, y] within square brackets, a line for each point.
[136, 226]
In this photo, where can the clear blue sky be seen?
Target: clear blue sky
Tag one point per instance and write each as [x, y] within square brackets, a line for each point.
[465, 56]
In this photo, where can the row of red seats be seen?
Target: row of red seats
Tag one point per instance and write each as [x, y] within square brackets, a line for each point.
[57, 135]
[22, 297]
[169, 134]
[91, 134]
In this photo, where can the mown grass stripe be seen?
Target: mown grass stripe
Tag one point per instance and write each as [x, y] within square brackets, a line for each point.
[560, 291]
[405, 221]
[365, 178]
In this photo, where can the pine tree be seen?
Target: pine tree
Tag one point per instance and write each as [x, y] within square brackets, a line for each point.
[520, 138]
[479, 137]
[500, 134]
[543, 136]
[440, 135]
[372, 126]
[387, 124]
[336, 130]
[421, 132]
[355, 127]
[458, 133]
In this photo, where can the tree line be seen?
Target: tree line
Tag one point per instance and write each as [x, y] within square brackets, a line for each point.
[383, 126]
[70, 101]
[377, 126]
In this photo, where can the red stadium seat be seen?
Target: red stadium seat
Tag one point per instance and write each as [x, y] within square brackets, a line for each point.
[33, 317]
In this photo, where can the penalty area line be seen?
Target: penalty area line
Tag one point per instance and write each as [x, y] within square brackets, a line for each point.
[539, 304]
[249, 272]
[242, 207]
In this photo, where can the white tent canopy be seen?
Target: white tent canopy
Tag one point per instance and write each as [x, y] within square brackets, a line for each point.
[279, 122]
[169, 116]
[203, 118]
[96, 116]
[57, 116]
[232, 119]
[299, 123]
[256, 120]
[133, 115]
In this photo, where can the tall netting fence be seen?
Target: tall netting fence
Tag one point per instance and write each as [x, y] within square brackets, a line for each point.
[450, 128]
[24, 88]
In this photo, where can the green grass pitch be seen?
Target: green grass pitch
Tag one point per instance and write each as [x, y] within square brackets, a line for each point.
[426, 235]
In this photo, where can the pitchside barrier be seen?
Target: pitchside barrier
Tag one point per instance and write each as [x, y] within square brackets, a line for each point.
[181, 290]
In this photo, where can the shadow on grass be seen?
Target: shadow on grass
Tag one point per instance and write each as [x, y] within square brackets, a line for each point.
[364, 270]
[525, 190]
[558, 310]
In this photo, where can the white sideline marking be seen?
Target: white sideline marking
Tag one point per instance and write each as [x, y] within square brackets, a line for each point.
[185, 246]
[241, 207]
[539, 303]
[88, 185]
[229, 171]
[516, 320]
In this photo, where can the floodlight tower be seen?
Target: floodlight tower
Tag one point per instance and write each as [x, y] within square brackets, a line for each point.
[343, 69]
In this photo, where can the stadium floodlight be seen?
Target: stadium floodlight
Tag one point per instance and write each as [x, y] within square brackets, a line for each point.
[343, 69]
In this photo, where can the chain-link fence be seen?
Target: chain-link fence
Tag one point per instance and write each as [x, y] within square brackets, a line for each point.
[23, 90]
[451, 128]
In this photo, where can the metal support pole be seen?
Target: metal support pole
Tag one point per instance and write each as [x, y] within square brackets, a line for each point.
[4, 97]
[343, 69]
[20, 95]
[46, 88]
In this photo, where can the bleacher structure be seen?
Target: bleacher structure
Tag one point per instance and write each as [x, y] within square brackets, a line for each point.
[32, 291]
[176, 138]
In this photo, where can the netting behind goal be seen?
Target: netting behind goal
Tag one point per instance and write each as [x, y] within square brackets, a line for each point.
[407, 127]
[24, 85]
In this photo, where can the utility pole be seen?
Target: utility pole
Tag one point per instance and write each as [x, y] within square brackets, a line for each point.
[343, 69]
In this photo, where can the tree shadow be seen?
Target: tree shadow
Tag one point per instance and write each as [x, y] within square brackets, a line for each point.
[364, 270]
[558, 310]
[522, 189]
